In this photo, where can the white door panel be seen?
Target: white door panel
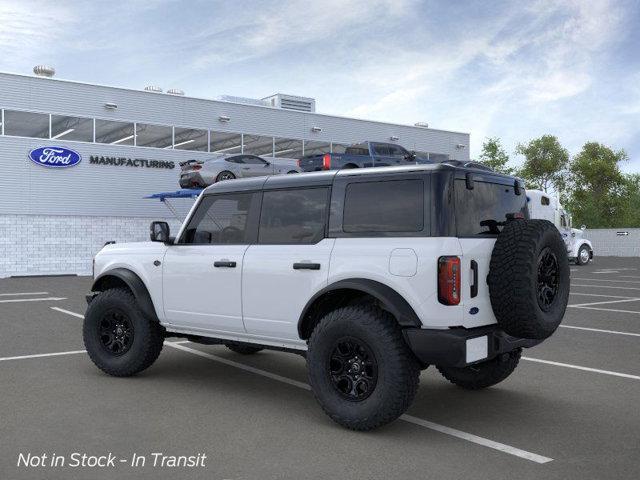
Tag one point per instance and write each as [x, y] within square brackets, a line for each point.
[200, 295]
[274, 293]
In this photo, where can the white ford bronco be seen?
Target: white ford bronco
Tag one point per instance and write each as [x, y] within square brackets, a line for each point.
[371, 274]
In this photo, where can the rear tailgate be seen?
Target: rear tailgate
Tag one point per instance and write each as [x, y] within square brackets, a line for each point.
[315, 163]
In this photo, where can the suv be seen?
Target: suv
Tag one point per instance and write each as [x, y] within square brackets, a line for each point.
[372, 274]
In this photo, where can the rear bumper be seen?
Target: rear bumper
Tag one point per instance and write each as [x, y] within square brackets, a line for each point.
[460, 347]
[192, 179]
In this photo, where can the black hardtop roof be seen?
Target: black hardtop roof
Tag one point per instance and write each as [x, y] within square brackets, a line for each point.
[326, 178]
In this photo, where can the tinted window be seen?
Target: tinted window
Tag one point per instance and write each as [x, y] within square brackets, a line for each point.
[544, 200]
[397, 151]
[220, 219]
[483, 210]
[396, 206]
[293, 216]
[381, 149]
[235, 159]
[254, 160]
[26, 124]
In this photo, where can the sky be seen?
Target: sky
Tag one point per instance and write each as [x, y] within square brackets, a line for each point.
[514, 70]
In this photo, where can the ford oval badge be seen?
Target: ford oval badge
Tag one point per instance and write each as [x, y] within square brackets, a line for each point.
[56, 157]
[474, 310]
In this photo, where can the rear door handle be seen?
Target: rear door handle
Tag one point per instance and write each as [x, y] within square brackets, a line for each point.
[474, 287]
[306, 266]
[224, 263]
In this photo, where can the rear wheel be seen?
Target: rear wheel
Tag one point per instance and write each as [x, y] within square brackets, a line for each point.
[583, 255]
[290, 172]
[360, 369]
[119, 339]
[485, 374]
[242, 349]
[225, 175]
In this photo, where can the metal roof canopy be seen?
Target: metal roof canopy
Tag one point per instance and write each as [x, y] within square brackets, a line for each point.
[184, 193]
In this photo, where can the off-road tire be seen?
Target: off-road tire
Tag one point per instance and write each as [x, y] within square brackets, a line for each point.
[579, 256]
[225, 173]
[398, 370]
[243, 349]
[485, 374]
[514, 278]
[148, 335]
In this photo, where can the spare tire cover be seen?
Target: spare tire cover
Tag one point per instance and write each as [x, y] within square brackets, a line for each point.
[529, 278]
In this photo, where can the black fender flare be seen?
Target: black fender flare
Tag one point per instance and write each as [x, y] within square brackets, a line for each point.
[135, 284]
[391, 301]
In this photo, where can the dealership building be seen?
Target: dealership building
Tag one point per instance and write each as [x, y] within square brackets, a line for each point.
[127, 144]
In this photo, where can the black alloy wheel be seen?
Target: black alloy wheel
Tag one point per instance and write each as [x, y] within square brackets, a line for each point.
[548, 278]
[116, 332]
[353, 369]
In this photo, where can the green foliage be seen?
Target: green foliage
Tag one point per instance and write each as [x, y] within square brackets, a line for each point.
[599, 192]
[545, 164]
[494, 156]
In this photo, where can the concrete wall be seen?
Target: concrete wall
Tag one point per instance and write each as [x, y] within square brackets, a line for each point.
[610, 242]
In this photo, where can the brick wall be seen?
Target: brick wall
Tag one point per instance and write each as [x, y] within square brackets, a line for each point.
[54, 245]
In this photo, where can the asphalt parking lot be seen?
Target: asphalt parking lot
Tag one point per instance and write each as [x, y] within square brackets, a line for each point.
[571, 410]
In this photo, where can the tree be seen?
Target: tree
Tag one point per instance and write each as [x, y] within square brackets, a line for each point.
[599, 191]
[545, 164]
[494, 156]
[631, 209]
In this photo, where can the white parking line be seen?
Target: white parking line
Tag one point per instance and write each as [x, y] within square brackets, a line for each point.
[632, 299]
[628, 276]
[23, 293]
[601, 330]
[40, 355]
[62, 310]
[608, 286]
[605, 280]
[407, 418]
[586, 369]
[47, 299]
[610, 310]
[597, 295]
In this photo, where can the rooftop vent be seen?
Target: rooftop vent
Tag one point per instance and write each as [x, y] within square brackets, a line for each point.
[422, 124]
[44, 71]
[175, 91]
[292, 102]
[153, 88]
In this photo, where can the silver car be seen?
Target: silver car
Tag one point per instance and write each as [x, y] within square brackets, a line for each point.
[202, 173]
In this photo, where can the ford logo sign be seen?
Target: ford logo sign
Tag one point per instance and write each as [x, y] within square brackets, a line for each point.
[56, 157]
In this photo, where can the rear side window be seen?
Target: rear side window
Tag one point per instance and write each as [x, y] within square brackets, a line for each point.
[484, 210]
[220, 219]
[293, 216]
[388, 206]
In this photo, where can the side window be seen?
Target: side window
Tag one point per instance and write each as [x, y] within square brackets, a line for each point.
[381, 150]
[293, 216]
[219, 220]
[253, 160]
[563, 220]
[396, 151]
[238, 159]
[391, 206]
[544, 200]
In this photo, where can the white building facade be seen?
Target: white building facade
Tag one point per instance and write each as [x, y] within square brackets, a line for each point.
[129, 144]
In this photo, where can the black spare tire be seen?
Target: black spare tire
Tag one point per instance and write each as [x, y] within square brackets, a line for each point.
[529, 279]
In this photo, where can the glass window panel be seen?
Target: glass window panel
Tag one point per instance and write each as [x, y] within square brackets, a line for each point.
[288, 148]
[72, 128]
[258, 145]
[220, 219]
[190, 139]
[224, 142]
[338, 147]
[157, 136]
[293, 216]
[312, 147]
[115, 133]
[26, 124]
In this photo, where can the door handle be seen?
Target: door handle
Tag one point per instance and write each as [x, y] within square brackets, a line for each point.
[474, 287]
[306, 266]
[246, 168]
[224, 263]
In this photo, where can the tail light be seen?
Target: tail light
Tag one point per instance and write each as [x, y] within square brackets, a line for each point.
[449, 280]
[196, 167]
[298, 162]
[326, 161]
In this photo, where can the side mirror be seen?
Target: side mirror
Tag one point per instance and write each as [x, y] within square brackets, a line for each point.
[583, 227]
[159, 232]
[266, 164]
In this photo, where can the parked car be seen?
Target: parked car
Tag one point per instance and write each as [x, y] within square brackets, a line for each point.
[366, 154]
[415, 266]
[543, 205]
[202, 173]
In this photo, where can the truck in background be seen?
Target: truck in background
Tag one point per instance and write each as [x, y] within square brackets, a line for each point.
[545, 206]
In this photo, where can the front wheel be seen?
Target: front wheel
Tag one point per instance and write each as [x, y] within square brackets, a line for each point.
[225, 175]
[485, 374]
[360, 369]
[583, 255]
[119, 339]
